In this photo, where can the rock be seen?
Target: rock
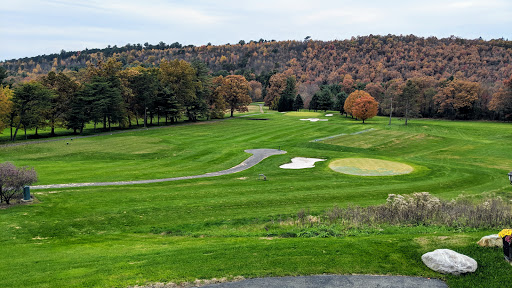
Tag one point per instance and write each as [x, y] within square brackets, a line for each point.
[491, 241]
[447, 261]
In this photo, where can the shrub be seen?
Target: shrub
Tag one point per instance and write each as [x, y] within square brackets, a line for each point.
[423, 209]
[12, 180]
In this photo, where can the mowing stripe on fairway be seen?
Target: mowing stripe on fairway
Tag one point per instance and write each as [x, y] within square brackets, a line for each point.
[257, 157]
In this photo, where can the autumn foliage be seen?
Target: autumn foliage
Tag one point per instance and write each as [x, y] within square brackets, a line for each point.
[457, 97]
[5, 106]
[235, 91]
[365, 107]
[351, 100]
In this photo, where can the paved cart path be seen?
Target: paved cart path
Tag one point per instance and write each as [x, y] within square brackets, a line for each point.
[332, 281]
[257, 157]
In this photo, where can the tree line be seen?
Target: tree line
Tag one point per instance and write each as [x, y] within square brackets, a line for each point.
[106, 94]
[454, 97]
[374, 61]
[109, 93]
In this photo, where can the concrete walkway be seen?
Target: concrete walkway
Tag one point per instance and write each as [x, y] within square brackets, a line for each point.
[257, 157]
[332, 281]
[261, 108]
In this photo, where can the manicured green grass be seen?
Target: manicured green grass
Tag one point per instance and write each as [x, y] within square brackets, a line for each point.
[118, 236]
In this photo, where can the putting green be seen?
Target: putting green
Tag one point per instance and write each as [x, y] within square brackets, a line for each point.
[369, 167]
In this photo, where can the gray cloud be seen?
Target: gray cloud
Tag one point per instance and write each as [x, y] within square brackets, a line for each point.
[33, 27]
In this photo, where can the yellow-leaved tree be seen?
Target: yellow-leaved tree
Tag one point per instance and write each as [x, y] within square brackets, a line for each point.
[5, 106]
[235, 90]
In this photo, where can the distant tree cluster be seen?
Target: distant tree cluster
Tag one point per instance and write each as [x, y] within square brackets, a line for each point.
[109, 94]
[409, 76]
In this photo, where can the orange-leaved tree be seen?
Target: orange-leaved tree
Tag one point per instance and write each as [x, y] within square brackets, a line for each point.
[351, 100]
[365, 108]
[457, 97]
[501, 101]
[276, 87]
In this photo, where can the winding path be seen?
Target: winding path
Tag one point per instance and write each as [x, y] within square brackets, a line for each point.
[257, 157]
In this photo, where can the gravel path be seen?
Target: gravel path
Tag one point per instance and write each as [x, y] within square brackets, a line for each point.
[257, 157]
[332, 281]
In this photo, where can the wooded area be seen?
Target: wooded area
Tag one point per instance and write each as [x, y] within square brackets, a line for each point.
[408, 76]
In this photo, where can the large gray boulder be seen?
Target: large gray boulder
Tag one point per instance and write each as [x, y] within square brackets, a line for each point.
[447, 261]
[491, 241]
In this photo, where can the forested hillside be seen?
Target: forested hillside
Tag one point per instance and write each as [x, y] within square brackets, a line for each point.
[366, 59]
[409, 76]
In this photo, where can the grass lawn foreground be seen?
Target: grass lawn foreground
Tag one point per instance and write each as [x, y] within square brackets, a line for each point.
[120, 236]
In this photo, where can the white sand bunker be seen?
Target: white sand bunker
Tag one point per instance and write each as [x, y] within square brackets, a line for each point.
[301, 163]
[328, 115]
[369, 167]
[314, 119]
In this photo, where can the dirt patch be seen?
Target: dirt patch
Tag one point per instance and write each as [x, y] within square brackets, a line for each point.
[428, 242]
[196, 283]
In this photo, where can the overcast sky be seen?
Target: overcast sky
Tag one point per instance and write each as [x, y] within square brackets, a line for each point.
[30, 27]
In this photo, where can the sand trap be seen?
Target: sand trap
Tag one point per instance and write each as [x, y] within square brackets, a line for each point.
[301, 163]
[314, 119]
[369, 167]
[328, 115]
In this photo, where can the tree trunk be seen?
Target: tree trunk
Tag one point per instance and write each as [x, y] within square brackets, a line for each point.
[105, 122]
[232, 109]
[406, 111]
[17, 128]
[53, 131]
[25, 129]
[145, 117]
[36, 131]
[390, 112]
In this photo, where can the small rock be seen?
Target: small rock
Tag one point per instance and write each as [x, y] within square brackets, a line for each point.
[491, 241]
[447, 261]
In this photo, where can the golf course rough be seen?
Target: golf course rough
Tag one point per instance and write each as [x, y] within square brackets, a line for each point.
[369, 167]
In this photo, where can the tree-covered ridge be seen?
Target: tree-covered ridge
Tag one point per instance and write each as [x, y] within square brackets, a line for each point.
[366, 58]
[409, 76]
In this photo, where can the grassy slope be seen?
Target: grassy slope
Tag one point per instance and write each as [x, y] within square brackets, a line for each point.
[205, 228]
